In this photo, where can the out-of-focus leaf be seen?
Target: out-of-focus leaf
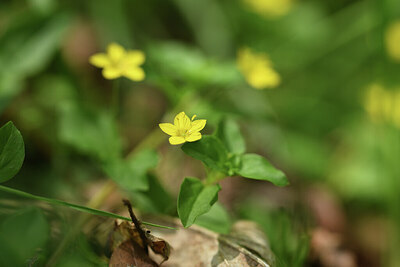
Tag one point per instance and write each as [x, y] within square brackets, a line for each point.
[23, 238]
[216, 219]
[111, 21]
[12, 151]
[257, 167]
[131, 174]
[190, 65]
[228, 132]
[92, 133]
[26, 53]
[195, 199]
[210, 150]
[156, 199]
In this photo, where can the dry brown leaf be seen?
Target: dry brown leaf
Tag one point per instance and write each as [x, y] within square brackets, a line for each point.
[129, 253]
[197, 246]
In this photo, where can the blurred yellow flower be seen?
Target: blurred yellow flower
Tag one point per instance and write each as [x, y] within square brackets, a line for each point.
[392, 40]
[270, 8]
[382, 105]
[184, 129]
[119, 62]
[257, 69]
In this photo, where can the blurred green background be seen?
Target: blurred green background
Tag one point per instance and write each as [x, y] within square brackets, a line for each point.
[326, 125]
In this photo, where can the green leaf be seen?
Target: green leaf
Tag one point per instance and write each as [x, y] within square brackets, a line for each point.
[26, 50]
[93, 133]
[210, 150]
[131, 174]
[257, 167]
[23, 237]
[156, 199]
[228, 132]
[217, 219]
[195, 199]
[12, 151]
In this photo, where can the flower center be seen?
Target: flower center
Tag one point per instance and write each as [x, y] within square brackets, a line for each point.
[182, 132]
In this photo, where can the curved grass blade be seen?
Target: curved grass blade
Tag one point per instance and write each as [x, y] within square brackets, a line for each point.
[75, 206]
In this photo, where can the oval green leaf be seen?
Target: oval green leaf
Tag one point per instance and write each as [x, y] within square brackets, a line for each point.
[12, 151]
[210, 150]
[229, 133]
[195, 199]
[257, 167]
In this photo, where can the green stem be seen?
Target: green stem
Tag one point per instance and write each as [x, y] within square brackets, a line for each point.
[74, 206]
[116, 96]
[214, 177]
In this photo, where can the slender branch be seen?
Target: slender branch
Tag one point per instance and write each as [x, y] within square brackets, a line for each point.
[137, 224]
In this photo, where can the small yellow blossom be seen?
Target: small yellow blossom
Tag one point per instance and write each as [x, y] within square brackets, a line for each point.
[119, 62]
[257, 69]
[392, 40]
[184, 129]
[270, 8]
[383, 105]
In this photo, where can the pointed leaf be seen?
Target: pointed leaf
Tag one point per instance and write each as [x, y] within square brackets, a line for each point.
[257, 167]
[229, 133]
[210, 150]
[12, 151]
[195, 199]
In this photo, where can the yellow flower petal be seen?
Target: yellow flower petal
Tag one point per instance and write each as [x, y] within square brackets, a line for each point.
[99, 60]
[182, 121]
[115, 52]
[198, 125]
[193, 137]
[176, 140]
[111, 73]
[392, 40]
[135, 57]
[135, 74]
[168, 128]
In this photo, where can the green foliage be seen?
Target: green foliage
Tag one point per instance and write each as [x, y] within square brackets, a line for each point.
[25, 52]
[92, 133]
[156, 199]
[12, 151]
[182, 62]
[228, 132]
[131, 174]
[195, 199]
[216, 219]
[23, 238]
[210, 150]
[257, 167]
[213, 152]
[286, 237]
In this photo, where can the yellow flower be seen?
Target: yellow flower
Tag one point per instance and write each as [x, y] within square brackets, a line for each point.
[257, 69]
[383, 105]
[270, 8]
[184, 129]
[392, 40]
[119, 62]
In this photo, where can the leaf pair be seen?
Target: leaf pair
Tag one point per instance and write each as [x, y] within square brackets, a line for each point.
[224, 152]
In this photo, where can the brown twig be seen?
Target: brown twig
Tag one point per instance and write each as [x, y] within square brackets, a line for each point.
[137, 224]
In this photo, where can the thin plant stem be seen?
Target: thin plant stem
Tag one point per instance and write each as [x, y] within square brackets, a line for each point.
[116, 97]
[88, 210]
